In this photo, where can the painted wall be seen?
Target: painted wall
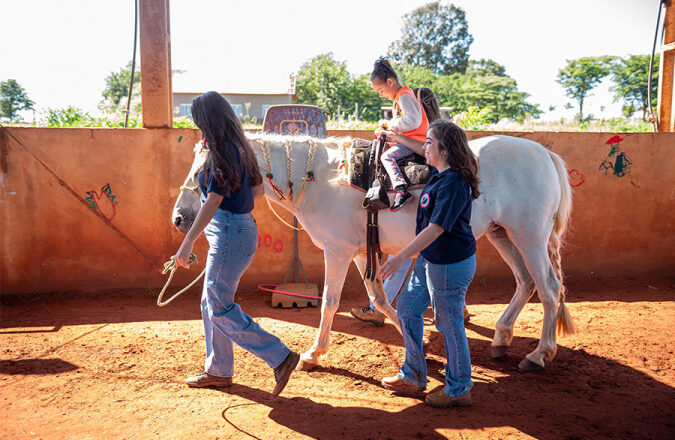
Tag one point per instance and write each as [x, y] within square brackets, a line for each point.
[124, 182]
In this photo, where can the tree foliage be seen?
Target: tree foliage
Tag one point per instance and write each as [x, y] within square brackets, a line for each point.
[580, 76]
[631, 78]
[484, 85]
[117, 88]
[435, 36]
[13, 98]
[326, 83]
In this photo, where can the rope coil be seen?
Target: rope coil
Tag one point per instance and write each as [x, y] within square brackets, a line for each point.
[171, 266]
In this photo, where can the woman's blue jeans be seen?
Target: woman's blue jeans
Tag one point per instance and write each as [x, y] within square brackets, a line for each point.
[233, 239]
[444, 286]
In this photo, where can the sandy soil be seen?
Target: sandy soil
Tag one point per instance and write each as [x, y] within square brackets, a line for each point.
[112, 365]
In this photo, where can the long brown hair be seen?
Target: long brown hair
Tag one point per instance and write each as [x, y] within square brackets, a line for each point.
[429, 103]
[452, 139]
[219, 124]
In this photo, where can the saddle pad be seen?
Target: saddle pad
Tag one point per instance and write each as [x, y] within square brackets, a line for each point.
[414, 168]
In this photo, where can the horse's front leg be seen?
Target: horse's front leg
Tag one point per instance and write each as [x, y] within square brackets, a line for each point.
[376, 293]
[335, 272]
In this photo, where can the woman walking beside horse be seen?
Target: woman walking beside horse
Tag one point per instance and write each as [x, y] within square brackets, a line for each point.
[443, 270]
[229, 181]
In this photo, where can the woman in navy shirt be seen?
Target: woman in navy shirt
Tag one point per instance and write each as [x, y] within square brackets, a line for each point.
[443, 270]
[229, 183]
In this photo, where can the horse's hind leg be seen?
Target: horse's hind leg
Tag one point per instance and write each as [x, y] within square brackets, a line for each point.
[535, 254]
[524, 290]
[376, 293]
[336, 270]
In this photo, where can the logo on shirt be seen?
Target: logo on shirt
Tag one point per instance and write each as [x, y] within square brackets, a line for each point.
[424, 200]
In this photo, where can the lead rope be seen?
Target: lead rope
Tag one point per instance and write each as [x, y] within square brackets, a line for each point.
[171, 266]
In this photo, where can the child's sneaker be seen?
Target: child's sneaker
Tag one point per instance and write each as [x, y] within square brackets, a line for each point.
[402, 197]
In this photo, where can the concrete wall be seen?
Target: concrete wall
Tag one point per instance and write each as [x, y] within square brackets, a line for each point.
[622, 225]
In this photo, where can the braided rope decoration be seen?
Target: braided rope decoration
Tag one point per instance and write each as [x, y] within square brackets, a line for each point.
[268, 164]
[289, 163]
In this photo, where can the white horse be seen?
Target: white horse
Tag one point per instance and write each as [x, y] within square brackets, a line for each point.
[523, 210]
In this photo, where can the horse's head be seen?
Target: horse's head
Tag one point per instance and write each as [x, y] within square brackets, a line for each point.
[187, 205]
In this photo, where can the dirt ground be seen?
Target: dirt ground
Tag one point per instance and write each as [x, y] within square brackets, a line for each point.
[112, 365]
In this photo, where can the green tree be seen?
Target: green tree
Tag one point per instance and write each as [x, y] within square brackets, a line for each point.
[369, 102]
[435, 36]
[326, 83]
[13, 98]
[117, 88]
[631, 77]
[580, 76]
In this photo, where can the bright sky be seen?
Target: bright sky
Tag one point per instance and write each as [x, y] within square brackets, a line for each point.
[61, 52]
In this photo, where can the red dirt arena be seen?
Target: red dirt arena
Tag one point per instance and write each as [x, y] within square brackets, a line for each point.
[112, 366]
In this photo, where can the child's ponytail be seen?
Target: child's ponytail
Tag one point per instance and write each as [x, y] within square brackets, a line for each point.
[382, 70]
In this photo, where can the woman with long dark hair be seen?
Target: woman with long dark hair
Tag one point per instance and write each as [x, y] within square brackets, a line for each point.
[229, 183]
[443, 270]
[392, 286]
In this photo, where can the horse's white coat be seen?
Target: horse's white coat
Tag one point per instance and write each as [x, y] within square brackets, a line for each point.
[523, 209]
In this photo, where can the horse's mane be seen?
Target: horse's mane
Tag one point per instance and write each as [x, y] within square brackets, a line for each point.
[330, 142]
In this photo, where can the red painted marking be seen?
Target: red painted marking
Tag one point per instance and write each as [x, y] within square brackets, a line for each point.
[575, 178]
[268, 241]
[614, 140]
[104, 208]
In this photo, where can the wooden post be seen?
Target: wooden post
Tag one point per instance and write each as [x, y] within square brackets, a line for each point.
[156, 90]
[666, 102]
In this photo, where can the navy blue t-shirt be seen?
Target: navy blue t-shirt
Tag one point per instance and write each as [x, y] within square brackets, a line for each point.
[446, 201]
[237, 202]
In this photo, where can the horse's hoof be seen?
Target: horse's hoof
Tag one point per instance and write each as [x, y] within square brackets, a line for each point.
[306, 366]
[499, 351]
[528, 365]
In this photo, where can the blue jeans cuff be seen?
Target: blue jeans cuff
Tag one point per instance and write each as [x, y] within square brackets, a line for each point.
[411, 381]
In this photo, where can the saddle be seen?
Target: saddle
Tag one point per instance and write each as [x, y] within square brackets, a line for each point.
[362, 168]
[365, 172]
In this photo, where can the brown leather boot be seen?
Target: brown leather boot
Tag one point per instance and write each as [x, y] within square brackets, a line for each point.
[283, 371]
[441, 400]
[208, 380]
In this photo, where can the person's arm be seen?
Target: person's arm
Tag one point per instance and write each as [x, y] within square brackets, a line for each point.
[258, 191]
[412, 116]
[204, 216]
[413, 144]
[427, 236]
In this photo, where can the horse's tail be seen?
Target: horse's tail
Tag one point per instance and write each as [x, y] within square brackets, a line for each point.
[565, 325]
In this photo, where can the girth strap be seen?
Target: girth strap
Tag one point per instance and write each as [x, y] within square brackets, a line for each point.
[373, 251]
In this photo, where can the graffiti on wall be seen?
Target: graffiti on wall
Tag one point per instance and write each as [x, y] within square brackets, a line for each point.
[103, 202]
[575, 177]
[617, 161]
[267, 241]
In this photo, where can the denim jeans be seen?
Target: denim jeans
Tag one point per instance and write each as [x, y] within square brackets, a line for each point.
[444, 286]
[393, 284]
[233, 239]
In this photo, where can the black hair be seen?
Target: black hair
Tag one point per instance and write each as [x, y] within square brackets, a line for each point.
[382, 70]
[429, 103]
[219, 124]
[452, 139]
